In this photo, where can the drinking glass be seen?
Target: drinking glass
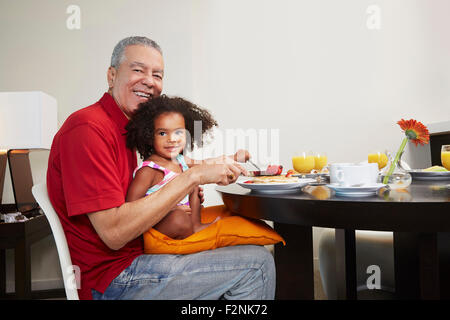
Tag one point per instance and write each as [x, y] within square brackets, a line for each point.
[378, 157]
[303, 162]
[445, 156]
[320, 160]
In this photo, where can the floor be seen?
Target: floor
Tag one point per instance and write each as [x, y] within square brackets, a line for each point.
[319, 294]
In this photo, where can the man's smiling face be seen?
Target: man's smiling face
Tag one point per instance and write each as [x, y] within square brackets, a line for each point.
[138, 78]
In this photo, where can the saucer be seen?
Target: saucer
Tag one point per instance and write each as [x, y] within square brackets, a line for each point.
[363, 191]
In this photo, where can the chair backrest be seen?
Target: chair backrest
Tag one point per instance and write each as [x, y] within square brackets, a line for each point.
[70, 273]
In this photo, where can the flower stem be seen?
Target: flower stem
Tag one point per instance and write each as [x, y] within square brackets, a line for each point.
[394, 163]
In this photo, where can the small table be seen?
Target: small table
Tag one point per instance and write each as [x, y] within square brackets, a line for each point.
[20, 236]
[419, 218]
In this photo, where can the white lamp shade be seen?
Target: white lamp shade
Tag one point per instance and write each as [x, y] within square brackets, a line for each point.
[28, 120]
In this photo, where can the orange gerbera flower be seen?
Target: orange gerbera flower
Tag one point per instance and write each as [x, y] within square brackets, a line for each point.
[415, 131]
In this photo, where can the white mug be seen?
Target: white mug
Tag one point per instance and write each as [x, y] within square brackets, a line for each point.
[333, 168]
[349, 174]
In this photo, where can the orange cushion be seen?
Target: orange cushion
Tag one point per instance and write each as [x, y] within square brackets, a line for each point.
[230, 230]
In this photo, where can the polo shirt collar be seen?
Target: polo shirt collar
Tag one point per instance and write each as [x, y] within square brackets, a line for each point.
[114, 112]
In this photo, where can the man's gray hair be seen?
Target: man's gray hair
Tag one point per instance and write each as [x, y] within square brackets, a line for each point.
[119, 49]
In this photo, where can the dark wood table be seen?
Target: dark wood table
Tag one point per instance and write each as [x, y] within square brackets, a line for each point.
[419, 218]
[20, 236]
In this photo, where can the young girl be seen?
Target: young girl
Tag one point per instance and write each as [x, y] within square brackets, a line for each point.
[160, 130]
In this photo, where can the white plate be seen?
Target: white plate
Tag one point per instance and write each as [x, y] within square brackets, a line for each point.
[363, 191]
[418, 174]
[276, 187]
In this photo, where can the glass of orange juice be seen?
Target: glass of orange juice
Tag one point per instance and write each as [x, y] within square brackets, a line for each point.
[378, 157]
[445, 156]
[320, 160]
[303, 162]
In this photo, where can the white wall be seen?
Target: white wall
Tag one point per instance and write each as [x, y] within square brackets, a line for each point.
[312, 69]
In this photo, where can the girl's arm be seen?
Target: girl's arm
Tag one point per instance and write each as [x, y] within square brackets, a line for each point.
[144, 179]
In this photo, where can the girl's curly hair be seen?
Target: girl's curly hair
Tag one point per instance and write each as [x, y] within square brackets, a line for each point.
[141, 127]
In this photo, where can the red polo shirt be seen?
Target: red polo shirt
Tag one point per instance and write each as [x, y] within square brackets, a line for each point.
[90, 169]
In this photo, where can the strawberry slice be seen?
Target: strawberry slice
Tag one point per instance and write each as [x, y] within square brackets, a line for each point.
[248, 181]
[289, 173]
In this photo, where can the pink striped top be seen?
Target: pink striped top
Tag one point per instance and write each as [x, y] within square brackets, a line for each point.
[168, 175]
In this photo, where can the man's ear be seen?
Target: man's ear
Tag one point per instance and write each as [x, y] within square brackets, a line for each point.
[111, 76]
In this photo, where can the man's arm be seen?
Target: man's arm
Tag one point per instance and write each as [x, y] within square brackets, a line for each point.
[118, 226]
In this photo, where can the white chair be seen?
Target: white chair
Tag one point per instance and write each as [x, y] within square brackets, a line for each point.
[69, 271]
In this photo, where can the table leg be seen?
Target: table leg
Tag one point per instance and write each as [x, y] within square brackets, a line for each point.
[346, 264]
[406, 265]
[418, 258]
[429, 266]
[2, 273]
[443, 243]
[22, 267]
[294, 263]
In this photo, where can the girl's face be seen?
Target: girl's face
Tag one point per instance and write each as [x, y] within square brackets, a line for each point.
[170, 135]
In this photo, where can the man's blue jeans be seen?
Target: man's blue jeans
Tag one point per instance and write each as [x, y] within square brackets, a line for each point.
[237, 272]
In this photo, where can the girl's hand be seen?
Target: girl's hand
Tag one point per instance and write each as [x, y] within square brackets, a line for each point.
[241, 156]
[185, 208]
[201, 194]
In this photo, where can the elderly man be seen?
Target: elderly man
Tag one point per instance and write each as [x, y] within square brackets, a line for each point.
[89, 172]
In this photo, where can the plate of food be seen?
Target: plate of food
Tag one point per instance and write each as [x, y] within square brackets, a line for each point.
[432, 173]
[280, 183]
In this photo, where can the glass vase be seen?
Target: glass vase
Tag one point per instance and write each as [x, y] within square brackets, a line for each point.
[400, 178]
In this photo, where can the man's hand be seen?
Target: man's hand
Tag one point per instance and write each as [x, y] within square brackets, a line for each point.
[222, 174]
[201, 194]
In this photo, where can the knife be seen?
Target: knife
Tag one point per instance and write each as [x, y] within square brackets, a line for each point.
[272, 170]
